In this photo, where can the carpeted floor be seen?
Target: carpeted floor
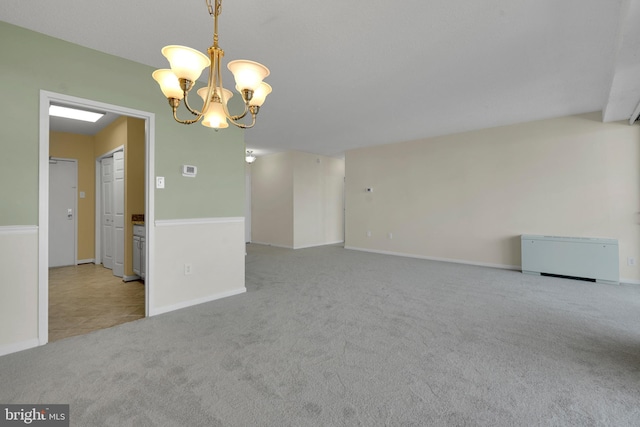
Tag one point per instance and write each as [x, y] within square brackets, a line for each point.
[332, 337]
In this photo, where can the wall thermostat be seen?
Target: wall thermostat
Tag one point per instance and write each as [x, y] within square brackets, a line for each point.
[189, 170]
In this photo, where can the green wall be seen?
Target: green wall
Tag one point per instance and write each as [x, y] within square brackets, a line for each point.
[32, 62]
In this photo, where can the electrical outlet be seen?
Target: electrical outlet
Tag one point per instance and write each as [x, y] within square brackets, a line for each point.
[187, 269]
[390, 236]
[631, 261]
[368, 234]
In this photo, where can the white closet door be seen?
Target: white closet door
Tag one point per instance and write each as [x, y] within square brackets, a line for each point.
[107, 212]
[118, 213]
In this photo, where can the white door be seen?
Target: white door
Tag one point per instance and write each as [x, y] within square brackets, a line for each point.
[118, 213]
[63, 175]
[107, 212]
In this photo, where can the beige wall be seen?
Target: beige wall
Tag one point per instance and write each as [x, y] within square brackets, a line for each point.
[297, 200]
[272, 200]
[111, 137]
[469, 196]
[80, 147]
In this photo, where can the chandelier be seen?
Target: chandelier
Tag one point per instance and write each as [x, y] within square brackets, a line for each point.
[186, 66]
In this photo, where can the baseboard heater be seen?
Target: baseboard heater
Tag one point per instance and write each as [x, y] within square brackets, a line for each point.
[574, 257]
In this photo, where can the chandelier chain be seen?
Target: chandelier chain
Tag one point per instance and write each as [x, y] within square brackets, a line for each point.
[214, 11]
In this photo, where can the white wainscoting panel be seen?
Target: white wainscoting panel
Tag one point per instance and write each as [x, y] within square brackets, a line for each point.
[19, 289]
[197, 260]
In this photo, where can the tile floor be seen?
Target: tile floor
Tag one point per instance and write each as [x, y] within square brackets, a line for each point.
[89, 297]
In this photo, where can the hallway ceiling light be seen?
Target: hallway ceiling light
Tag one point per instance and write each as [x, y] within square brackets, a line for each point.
[250, 157]
[187, 65]
[74, 113]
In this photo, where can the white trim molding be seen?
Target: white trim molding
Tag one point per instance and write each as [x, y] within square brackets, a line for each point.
[197, 221]
[296, 247]
[18, 229]
[318, 244]
[270, 244]
[197, 301]
[46, 98]
[18, 346]
[455, 261]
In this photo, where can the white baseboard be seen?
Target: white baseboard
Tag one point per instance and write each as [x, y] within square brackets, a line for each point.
[271, 244]
[318, 245]
[126, 278]
[455, 261]
[19, 346]
[297, 247]
[629, 281]
[197, 301]
[85, 261]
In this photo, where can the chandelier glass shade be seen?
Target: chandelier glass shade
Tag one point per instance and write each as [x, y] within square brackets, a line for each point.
[186, 67]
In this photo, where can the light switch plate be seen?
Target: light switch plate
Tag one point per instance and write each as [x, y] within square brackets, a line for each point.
[159, 181]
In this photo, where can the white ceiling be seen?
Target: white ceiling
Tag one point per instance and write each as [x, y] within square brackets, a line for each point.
[348, 74]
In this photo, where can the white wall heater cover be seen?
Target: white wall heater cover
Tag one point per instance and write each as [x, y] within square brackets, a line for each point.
[585, 257]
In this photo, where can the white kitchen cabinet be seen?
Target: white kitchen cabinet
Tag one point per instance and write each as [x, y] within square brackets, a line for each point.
[139, 250]
[143, 257]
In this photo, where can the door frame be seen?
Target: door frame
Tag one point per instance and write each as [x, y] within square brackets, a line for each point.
[98, 205]
[75, 209]
[46, 98]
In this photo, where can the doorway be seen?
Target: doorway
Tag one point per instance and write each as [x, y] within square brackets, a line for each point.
[46, 99]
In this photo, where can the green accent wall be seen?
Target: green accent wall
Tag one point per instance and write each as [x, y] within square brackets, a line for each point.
[32, 62]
